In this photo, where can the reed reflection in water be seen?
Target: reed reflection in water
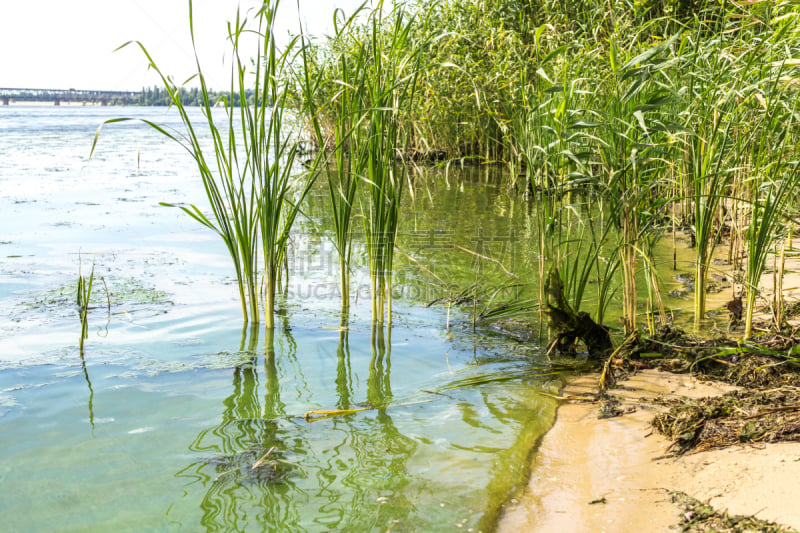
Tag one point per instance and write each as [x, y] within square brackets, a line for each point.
[264, 468]
[244, 468]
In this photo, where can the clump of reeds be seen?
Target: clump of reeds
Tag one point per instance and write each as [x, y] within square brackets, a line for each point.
[272, 149]
[371, 88]
[252, 185]
[390, 80]
[772, 180]
[346, 106]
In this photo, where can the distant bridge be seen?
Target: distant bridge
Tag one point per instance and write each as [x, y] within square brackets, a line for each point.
[57, 96]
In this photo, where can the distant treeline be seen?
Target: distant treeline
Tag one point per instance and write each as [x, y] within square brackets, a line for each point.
[158, 96]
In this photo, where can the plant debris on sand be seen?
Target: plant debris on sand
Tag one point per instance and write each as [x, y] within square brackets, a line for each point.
[765, 409]
[769, 361]
[701, 517]
[737, 417]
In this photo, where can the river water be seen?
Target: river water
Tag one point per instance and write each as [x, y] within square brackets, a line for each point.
[165, 421]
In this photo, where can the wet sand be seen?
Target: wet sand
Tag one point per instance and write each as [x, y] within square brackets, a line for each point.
[610, 475]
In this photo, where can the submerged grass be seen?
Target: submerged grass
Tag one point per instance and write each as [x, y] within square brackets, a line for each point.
[121, 295]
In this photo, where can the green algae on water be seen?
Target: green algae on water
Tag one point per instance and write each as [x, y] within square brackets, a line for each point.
[120, 294]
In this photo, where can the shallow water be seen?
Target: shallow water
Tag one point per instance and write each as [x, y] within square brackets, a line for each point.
[160, 424]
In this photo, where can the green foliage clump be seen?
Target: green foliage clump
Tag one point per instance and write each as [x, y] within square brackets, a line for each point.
[681, 112]
[189, 96]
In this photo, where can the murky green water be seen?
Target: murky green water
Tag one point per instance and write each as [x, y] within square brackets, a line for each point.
[177, 420]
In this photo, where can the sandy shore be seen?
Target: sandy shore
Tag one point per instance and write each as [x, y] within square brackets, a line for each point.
[611, 475]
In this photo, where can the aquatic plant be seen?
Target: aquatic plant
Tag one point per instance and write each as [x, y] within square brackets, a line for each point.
[629, 133]
[768, 154]
[346, 107]
[588, 257]
[365, 85]
[249, 177]
[271, 151]
[709, 184]
[84, 295]
[770, 200]
[391, 89]
[655, 116]
[391, 66]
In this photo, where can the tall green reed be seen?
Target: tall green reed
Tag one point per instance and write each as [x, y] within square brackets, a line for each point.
[345, 107]
[589, 258]
[629, 131]
[710, 180]
[715, 73]
[271, 151]
[248, 173]
[389, 91]
[773, 167]
[365, 85]
[541, 115]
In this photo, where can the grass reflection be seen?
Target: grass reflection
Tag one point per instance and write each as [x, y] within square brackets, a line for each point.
[247, 466]
[379, 387]
[262, 468]
[91, 390]
[344, 379]
[366, 474]
[373, 465]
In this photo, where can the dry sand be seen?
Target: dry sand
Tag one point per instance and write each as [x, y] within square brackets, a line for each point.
[610, 475]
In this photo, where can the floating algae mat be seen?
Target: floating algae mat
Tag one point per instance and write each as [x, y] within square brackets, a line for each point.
[177, 419]
[110, 294]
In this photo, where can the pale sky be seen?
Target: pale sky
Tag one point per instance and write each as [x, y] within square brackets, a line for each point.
[62, 44]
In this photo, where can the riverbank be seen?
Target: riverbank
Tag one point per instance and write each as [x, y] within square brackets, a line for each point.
[612, 475]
